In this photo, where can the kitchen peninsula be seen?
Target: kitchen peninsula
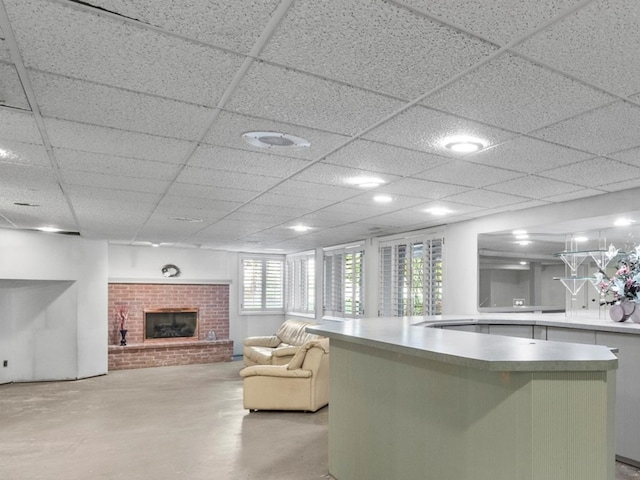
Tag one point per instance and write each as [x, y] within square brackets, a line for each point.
[411, 401]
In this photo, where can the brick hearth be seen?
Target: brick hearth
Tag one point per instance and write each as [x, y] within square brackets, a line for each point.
[212, 302]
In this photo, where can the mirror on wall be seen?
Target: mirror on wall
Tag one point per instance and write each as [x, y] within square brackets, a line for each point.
[520, 269]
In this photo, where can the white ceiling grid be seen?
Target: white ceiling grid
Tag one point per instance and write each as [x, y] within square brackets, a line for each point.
[122, 120]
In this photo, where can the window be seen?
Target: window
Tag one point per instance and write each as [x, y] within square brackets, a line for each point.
[301, 283]
[262, 284]
[344, 282]
[411, 277]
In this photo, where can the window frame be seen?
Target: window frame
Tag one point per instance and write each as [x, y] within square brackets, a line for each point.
[300, 284]
[410, 276]
[344, 284]
[264, 308]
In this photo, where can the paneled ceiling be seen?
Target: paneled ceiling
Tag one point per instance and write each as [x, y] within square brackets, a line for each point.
[122, 120]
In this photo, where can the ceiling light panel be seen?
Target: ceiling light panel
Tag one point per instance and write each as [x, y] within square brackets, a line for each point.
[313, 35]
[286, 95]
[101, 49]
[24, 153]
[499, 91]
[420, 128]
[83, 137]
[71, 99]
[485, 198]
[344, 176]
[322, 191]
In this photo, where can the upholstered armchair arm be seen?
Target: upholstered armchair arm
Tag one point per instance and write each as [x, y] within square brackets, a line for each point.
[285, 351]
[264, 341]
[274, 371]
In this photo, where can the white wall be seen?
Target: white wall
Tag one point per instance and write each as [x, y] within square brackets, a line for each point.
[54, 306]
[139, 264]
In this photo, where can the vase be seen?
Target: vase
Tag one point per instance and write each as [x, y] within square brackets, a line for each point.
[624, 310]
[123, 339]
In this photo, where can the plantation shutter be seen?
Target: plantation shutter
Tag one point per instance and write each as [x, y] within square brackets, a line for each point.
[344, 282]
[300, 289]
[262, 284]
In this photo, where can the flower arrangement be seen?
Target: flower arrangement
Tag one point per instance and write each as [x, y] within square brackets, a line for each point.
[624, 284]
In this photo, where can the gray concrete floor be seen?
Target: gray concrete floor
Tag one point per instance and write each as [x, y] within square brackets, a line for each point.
[159, 423]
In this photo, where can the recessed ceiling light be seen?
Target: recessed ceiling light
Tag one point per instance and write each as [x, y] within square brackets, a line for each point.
[523, 242]
[301, 228]
[519, 232]
[623, 222]
[438, 211]
[49, 229]
[580, 239]
[383, 198]
[3, 153]
[277, 140]
[463, 144]
[523, 263]
[522, 236]
[155, 245]
[365, 182]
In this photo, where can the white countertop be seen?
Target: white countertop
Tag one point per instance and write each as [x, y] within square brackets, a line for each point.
[411, 336]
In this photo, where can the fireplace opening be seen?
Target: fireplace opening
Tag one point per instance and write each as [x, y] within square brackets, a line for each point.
[170, 323]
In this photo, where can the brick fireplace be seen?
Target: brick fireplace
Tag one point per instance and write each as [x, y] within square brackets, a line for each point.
[209, 343]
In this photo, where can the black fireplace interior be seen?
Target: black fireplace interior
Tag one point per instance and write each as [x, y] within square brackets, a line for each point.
[170, 323]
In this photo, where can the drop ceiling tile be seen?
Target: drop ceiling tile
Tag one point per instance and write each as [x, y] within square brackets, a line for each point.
[5, 54]
[608, 129]
[499, 92]
[365, 200]
[115, 182]
[49, 208]
[224, 179]
[594, 172]
[113, 165]
[415, 187]
[527, 155]
[11, 91]
[502, 21]
[565, 197]
[421, 128]
[193, 207]
[288, 96]
[486, 198]
[109, 141]
[294, 201]
[460, 172]
[23, 176]
[102, 49]
[622, 184]
[310, 190]
[455, 209]
[342, 176]
[244, 161]
[205, 192]
[630, 156]
[345, 42]
[533, 186]
[86, 102]
[226, 23]
[24, 153]
[592, 44]
[257, 218]
[281, 204]
[19, 126]
[379, 157]
[110, 201]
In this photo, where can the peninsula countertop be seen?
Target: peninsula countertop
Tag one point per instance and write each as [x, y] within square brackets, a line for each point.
[413, 336]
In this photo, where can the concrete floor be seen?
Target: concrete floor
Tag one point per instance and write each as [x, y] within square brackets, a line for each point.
[159, 423]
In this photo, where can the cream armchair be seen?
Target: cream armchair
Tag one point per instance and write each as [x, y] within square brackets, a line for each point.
[280, 348]
[302, 384]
